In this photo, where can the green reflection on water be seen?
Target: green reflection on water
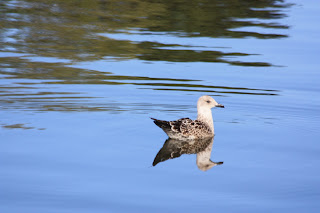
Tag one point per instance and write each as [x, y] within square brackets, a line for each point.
[80, 31]
[70, 29]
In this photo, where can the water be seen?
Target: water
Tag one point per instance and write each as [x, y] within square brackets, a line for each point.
[80, 79]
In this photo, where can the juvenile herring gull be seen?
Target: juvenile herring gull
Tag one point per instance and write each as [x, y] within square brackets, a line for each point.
[187, 129]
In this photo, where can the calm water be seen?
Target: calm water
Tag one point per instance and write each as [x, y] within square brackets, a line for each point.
[80, 79]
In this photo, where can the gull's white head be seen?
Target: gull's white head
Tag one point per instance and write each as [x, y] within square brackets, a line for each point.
[208, 102]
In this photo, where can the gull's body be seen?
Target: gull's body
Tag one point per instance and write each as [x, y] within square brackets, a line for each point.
[187, 129]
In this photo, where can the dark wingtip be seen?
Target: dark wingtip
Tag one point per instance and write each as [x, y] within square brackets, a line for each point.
[156, 161]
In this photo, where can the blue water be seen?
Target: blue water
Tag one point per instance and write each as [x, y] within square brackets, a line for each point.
[76, 134]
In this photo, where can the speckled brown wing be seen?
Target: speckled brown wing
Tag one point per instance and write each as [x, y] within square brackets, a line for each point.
[179, 126]
[184, 128]
[187, 127]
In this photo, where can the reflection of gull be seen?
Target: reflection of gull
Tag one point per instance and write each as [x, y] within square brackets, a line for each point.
[186, 128]
[174, 148]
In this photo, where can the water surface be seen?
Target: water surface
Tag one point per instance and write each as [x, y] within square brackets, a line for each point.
[80, 79]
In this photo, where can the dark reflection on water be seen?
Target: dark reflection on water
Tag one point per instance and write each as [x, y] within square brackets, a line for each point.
[17, 126]
[156, 52]
[173, 148]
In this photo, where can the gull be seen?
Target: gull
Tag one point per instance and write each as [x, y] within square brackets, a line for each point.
[187, 129]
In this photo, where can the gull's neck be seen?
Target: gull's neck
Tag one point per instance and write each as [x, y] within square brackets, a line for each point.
[205, 115]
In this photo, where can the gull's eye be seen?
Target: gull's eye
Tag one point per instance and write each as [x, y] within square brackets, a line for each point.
[208, 102]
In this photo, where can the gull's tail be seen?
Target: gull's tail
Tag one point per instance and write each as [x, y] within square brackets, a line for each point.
[165, 125]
